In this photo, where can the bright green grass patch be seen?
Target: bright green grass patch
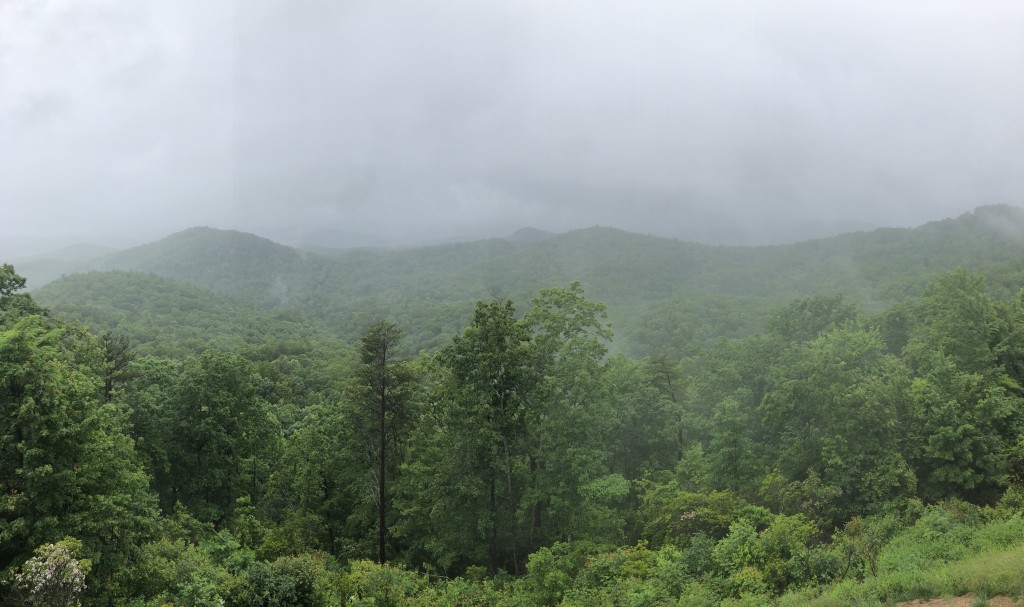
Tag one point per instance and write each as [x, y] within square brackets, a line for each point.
[989, 574]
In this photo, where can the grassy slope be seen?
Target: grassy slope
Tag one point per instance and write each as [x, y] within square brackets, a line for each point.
[996, 572]
[935, 560]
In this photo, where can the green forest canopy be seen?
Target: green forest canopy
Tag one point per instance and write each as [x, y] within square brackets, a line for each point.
[206, 448]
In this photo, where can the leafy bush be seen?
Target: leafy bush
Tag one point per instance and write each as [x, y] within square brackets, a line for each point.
[369, 584]
[54, 575]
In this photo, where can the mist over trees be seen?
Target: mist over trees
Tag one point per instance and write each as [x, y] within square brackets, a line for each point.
[524, 460]
[511, 304]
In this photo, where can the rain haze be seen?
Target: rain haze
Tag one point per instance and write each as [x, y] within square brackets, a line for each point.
[401, 122]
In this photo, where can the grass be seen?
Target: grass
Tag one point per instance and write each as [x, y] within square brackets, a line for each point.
[984, 575]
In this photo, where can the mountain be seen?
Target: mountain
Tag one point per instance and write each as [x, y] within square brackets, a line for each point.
[528, 235]
[224, 261]
[646, 281]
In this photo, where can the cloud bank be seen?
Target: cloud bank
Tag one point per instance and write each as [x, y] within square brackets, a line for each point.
[731, 120]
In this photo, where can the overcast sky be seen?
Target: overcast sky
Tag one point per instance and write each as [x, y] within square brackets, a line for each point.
[718, 120]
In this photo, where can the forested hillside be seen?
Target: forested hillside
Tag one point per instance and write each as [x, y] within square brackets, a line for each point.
[166, 317]
[837, 422]
[664, 296]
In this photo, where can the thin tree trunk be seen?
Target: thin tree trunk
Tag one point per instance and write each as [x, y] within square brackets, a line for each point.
[512, 507]
[381, 507]
[494, 528]
[535, 518]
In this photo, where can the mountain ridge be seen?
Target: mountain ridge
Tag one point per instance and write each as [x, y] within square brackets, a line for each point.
[636, 275]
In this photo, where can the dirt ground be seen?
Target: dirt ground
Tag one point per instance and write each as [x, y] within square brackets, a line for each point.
[960, 601]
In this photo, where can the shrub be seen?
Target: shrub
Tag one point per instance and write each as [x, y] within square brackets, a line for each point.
[54, 575]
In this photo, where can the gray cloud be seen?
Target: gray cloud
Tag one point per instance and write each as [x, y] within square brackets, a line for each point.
[734, 119]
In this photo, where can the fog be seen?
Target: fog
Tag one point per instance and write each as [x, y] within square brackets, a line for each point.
[401, 121]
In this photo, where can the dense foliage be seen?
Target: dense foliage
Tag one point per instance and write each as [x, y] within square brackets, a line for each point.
[206, 451]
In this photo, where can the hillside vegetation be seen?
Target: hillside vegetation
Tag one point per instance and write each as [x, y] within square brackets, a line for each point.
[232, 422]
[664, 296]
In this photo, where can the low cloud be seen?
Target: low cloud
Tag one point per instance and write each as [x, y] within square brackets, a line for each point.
[728, 120]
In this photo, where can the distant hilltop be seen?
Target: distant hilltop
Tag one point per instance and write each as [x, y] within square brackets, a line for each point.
[528, 235]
